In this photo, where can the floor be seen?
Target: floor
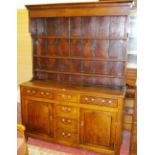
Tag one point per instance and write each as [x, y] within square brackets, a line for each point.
[36, 146]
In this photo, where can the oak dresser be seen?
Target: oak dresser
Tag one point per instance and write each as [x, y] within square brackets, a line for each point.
[76, 96]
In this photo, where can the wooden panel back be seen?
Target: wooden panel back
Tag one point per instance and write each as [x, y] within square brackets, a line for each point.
[83, 50]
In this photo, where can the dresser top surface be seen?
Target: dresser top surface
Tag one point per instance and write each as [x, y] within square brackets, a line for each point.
[81, 4]
[75, 88]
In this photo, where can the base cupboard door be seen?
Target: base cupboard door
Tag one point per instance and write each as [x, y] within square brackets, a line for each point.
[97, 128]
[37, 116]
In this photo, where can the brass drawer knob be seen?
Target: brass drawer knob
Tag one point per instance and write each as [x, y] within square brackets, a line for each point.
[66, 120]
[66, 109]
[63, 133]
[103, 101]
[92, 99]
[66, 134]
[47, 93]
[33, 91]
[63, 120]
[109, 101]
[63, 108]
[66, 96]
[28, 91]
[42, 93]
[63, 96]
[86, 98]
[69, 121]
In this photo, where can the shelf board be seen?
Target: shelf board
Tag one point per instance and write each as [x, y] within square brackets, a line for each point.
[79, 58]
[79, 38]
[82, 74]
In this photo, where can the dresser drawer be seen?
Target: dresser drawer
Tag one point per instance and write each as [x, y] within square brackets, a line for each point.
[66, 97]
[66, 111]
[63, 122]
[98, 101]
[38, 93]
[66, 135]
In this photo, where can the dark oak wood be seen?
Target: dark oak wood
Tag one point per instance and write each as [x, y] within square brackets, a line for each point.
[76, 96]
[86, 117]
[37, 116]
[70, 39]
[95, 134]
[80, 9]
[133, 140]
[131, 77]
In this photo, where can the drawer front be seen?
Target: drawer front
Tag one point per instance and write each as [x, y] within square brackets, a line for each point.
[66, 135]
[66, 97]
[66, 111]
[63, 122]
[38, 93]
[98, 101]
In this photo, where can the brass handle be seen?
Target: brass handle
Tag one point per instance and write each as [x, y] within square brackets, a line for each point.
[66, 120]
[69, 121]
[92, 99]
[89, 100]
[63, 108]
[28, 91]
[86, 98]
[42, 93]
[66, 134]
[66, 96]
[47, 93]
[103, 101]
[66, 109]
[63, 133]
[109, 101]
[63, 120]
[33, 91]
[69, 134]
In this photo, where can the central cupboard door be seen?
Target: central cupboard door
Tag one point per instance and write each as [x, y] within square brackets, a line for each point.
[39, 117]
[97, 128]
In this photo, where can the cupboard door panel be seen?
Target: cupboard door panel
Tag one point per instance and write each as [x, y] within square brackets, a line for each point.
[38, 117]
[97, 128]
